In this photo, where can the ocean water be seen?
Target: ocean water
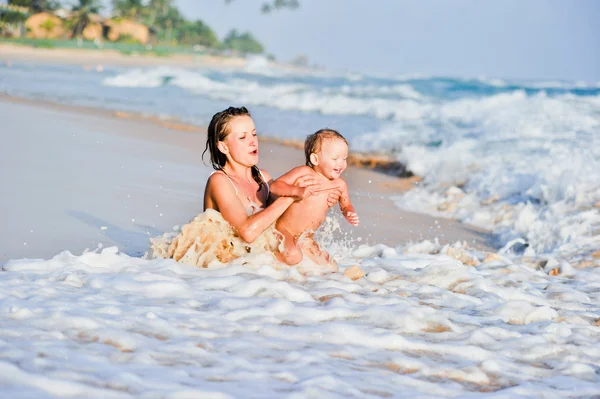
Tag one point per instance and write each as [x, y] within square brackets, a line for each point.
[520, 158]
[427, 321]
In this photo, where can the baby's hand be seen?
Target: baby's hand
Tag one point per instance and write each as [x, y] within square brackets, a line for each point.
[352, 218]
[333, 197]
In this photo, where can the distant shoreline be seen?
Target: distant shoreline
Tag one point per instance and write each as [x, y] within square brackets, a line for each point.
[94, 57]
[99, 58]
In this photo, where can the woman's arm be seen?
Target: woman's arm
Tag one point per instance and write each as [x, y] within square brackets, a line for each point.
[220, 195]
[301, 177]
[298, 183]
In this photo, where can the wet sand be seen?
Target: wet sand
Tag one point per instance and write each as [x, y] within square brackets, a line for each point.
[75, 178]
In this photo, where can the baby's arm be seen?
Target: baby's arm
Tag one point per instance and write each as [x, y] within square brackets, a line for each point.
[298, 183]
[346, 205]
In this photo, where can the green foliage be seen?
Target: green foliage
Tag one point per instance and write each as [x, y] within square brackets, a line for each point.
[128, 39]
[48, 25]
[8, 17]
[44, 44]
[279, 4]
[171, 19]
[161, 52]
[197, 32]
[243, 42]
[130, 9]
[274, 5]
[37, 5]
[168, 24]
[69, 24]
[156, 9]
[37, 43]
[88, 6]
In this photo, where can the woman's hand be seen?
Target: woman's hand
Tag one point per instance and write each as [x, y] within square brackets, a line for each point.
[306, 180]
[302, 192]
[310, 184]
[305, 186]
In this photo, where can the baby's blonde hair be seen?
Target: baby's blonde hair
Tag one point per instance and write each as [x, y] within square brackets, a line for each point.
[314, 142]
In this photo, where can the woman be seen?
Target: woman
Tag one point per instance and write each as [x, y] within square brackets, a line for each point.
[237, 220]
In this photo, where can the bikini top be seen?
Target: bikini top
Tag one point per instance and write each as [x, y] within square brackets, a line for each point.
[252, 207]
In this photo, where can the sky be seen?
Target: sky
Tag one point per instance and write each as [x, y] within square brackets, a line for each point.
[532, 39]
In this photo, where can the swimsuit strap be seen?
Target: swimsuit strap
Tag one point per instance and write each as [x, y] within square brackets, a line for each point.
[234, 187]
[266, 182]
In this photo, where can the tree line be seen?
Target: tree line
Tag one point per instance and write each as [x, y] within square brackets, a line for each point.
[161, 16]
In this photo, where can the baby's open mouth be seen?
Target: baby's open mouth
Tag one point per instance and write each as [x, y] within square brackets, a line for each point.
[255, 152]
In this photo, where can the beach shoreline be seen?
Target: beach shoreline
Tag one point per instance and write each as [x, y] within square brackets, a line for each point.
[96, 57]
[101, 58]
[178, 147]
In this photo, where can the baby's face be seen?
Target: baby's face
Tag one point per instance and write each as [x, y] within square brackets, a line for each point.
[332, 158]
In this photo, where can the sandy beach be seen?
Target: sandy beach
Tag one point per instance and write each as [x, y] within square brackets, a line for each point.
[90, 177]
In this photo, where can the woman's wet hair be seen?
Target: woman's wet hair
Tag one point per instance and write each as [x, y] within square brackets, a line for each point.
[218, 131]
[314, 142]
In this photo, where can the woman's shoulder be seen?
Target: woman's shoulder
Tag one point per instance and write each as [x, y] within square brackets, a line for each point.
[217, 179]
[216, 176]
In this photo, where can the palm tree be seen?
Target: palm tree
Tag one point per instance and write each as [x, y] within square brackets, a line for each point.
[36, 5]
[82, 12]
[197, 32]
[131, 9]
[172, 20]
[273, 5]
[12, 18]
[157, 9]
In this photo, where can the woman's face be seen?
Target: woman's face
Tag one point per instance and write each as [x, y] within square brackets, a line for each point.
[241, 142]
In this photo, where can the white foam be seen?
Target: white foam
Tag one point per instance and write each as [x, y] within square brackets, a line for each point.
[108, 325]
[531, 170]
[344, 100]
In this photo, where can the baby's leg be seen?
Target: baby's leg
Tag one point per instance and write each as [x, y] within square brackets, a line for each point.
[313, 251]
[289, 252]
